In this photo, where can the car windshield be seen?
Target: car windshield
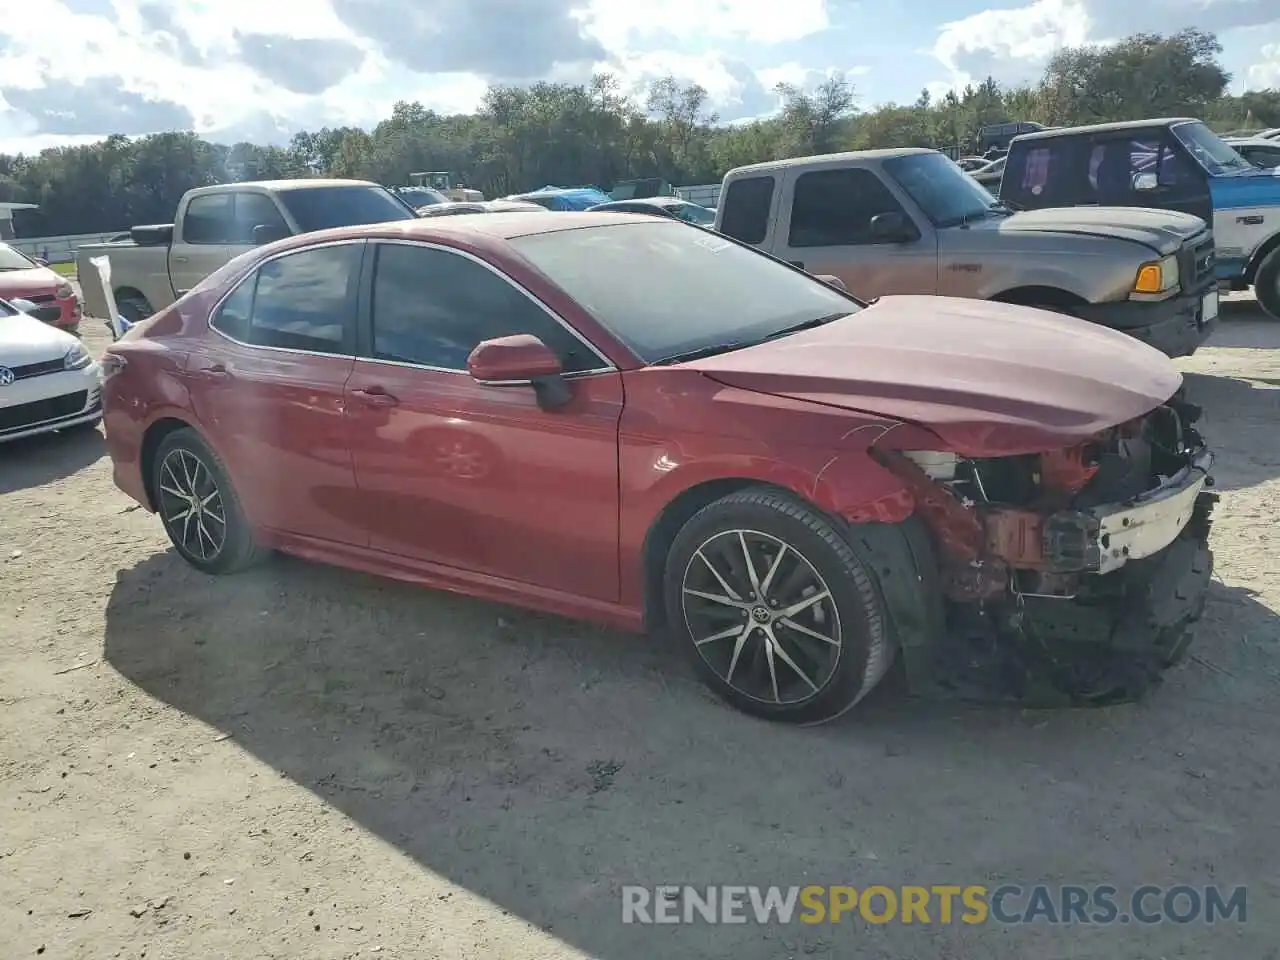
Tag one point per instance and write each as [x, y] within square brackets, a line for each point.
[947, 195]
[694, 213]
[319, 208]
[421, 196]
[11, 259]
[1211, 151]
[667, 291]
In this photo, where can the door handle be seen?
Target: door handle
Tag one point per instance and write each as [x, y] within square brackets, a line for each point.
[181, 259]
[214, 371]
[797, 263]
[375, 396]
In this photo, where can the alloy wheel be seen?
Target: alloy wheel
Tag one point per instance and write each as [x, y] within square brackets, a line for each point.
[761, 617]
[191, 505]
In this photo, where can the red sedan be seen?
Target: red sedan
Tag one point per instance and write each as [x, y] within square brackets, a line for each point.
[646, 424]
[22, 278]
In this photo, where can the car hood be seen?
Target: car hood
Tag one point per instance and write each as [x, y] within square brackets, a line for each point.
[15, 283]
[1163, 231]
[24, 339]
[988, 379]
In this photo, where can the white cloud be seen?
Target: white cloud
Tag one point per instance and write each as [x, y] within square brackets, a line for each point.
[618, 23]
[1265, 74]
[1009, 43]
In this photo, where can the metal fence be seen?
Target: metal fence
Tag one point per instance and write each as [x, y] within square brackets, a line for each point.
[707, 194]
[59, 249]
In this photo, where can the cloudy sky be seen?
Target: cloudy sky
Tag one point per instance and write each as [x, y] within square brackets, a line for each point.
[72, 71]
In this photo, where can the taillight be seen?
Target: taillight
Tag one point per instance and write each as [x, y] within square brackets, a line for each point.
[112, 364]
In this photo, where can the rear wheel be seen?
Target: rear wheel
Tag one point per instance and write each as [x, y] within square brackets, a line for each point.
[778, 612]
[134, 306]
[1266, 284]
[198, 506]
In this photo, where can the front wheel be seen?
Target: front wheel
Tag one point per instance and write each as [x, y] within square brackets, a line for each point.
[134, 307]
[780, 615]
[1266, 284]
[198, 506]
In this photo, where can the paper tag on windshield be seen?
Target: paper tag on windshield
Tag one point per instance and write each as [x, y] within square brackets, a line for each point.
[713, 243]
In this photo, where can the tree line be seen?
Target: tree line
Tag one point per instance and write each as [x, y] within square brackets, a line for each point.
[593, 133]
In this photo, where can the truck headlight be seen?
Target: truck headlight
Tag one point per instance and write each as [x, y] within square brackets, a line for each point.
[1157, 277]
[64, 291]
[76, 358]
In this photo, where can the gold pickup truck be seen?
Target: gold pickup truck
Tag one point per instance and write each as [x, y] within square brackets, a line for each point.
[215, 224]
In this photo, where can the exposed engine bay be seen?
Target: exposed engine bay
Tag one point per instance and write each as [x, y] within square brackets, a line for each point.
[1070, 576]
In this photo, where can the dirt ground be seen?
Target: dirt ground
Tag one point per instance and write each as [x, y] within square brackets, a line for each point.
[306, 763]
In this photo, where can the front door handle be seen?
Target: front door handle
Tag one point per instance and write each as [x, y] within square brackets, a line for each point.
[375, 397]
[181, 259]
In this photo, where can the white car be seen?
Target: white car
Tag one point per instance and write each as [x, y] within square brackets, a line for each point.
[48, 380]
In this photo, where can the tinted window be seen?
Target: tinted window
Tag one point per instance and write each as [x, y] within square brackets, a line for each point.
[305, 301]
[253, 210]
[232, 318]
[945, 194]
[319, 208]
[835, 207]
[432, 307]
[746, 209]
[208, 219]
[663, 289]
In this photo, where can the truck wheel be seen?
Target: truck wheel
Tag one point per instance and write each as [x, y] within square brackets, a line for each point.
[780, 614]
[1266, 284]
[134, 307]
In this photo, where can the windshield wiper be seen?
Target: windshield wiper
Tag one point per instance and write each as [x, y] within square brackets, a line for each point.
[708, 351]
[806, 325]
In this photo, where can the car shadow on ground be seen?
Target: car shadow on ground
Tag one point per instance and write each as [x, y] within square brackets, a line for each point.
[542, 764]
[1254, 407]
[35, 461]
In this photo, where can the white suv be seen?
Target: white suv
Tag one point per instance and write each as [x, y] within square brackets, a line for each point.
[48, 380]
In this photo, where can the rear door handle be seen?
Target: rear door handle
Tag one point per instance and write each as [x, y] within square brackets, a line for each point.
[375, 397]
[214, 371]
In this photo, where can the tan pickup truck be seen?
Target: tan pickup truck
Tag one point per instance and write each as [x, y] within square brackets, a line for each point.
[213, 225]
[910, 221]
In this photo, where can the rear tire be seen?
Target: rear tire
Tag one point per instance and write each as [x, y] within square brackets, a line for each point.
[198, 506]
[1266, 284]
[809, 666]
[134, 307]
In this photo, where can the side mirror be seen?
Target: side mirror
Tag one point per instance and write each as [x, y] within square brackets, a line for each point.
[1145, 181]
[517, 360]
[892, 228]
[267, 233]
[831, 281]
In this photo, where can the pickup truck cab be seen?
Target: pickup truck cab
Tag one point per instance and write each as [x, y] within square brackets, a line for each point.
[214, 225]
[1173, 164]
[909, 221]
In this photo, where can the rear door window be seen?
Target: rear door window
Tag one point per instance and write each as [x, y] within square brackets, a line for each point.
[835, 207]
[253, 210]
[307, 300]
[209, 219]
[746, 207]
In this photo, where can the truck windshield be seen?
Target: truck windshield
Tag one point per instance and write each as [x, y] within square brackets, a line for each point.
[320, 208]
[669, 291]
[1211, 151]
[947, 195]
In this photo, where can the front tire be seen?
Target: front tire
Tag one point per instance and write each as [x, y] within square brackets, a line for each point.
[780, 615]
[134, 307]
[198, 506]
[1266, 284]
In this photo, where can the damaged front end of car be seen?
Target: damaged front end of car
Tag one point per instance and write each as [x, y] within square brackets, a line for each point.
[1067, 577]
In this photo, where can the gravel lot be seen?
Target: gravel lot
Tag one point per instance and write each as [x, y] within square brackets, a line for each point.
[303, 762]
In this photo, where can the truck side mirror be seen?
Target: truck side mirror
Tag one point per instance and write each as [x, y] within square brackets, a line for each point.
[892, 228]
[1142, 182]
[268, 233]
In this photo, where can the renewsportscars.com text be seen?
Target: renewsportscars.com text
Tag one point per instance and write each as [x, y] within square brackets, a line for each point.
[938, 904]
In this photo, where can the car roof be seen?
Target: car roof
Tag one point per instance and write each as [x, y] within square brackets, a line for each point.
[1116, 127]
[829, 159]
[477, 226]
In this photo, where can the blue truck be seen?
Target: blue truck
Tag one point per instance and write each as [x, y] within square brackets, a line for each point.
[1170, 164]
